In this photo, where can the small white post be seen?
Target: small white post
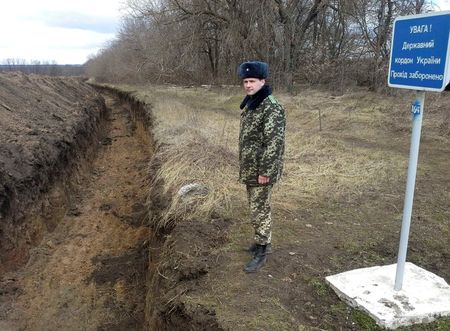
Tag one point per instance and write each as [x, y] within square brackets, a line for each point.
[417, 113]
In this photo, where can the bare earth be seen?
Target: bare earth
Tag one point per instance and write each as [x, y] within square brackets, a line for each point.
[88, 274]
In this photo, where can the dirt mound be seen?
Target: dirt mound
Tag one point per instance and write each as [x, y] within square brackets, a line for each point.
[46, 125]
[89, 272]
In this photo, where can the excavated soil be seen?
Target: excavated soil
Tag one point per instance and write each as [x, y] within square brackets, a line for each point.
[86, 267]
[47, 126]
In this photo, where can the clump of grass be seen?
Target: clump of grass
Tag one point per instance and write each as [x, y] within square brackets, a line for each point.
[319, 286]
[364, 321]
[195, 161]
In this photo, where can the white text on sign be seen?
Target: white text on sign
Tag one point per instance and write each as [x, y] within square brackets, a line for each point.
[410, 46]
[420, 28]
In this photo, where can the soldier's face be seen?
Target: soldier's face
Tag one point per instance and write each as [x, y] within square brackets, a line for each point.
[253, 85]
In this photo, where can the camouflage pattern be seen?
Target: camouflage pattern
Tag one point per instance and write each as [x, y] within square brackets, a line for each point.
[259, 203]
[261, 148]
[261, 142]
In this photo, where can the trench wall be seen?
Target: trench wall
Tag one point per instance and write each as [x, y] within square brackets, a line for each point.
[50, 131]
[47, 126]
[176, 265]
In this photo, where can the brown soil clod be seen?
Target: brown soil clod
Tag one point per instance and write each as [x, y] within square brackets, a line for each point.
[129, 267]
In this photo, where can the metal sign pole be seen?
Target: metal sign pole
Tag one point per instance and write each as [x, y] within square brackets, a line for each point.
[420, 60]
[417, 113]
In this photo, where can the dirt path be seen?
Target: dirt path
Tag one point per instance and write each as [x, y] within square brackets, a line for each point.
[89, 273]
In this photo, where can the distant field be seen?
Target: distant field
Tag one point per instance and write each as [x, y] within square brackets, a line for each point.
[45, 69]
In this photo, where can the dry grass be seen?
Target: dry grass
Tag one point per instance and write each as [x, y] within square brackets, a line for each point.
[196, 131]
[358, 147]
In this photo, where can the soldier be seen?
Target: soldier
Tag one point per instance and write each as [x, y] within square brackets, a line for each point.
[261, 148]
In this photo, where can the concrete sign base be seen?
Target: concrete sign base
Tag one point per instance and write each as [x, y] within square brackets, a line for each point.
[423, 298]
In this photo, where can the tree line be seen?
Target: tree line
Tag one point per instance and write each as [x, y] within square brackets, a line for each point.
[332, 42]
[49, 68]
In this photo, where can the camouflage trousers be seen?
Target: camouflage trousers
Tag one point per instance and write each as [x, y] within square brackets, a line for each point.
[259, 203]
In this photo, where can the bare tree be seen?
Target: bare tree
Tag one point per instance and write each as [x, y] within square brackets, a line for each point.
[316, 41]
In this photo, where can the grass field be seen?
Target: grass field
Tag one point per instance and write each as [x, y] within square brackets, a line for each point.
[338, 206]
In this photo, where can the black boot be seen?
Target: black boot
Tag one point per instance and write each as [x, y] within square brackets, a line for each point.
[252, 249]
[258, 260]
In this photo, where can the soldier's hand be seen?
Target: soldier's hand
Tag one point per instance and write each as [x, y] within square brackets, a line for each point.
[263, 180]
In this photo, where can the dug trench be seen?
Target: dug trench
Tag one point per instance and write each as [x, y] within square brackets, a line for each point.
[79, 245]
[85, 267]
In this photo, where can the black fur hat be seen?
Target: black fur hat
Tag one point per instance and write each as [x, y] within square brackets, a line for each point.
[253, 69]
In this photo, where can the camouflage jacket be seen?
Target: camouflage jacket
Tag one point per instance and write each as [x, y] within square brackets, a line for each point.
[261, 142]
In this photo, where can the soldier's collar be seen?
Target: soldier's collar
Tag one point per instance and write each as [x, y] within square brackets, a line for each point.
[252, 102]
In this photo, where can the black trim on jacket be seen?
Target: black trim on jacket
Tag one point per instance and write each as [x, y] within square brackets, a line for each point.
[253, 101]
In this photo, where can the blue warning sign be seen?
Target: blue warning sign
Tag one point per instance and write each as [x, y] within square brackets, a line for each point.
[420, 52]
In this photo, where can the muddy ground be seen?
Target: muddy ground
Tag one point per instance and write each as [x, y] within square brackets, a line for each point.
[87, 270]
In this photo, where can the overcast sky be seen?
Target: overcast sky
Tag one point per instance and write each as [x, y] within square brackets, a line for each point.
[65, 31]
[442, 4]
